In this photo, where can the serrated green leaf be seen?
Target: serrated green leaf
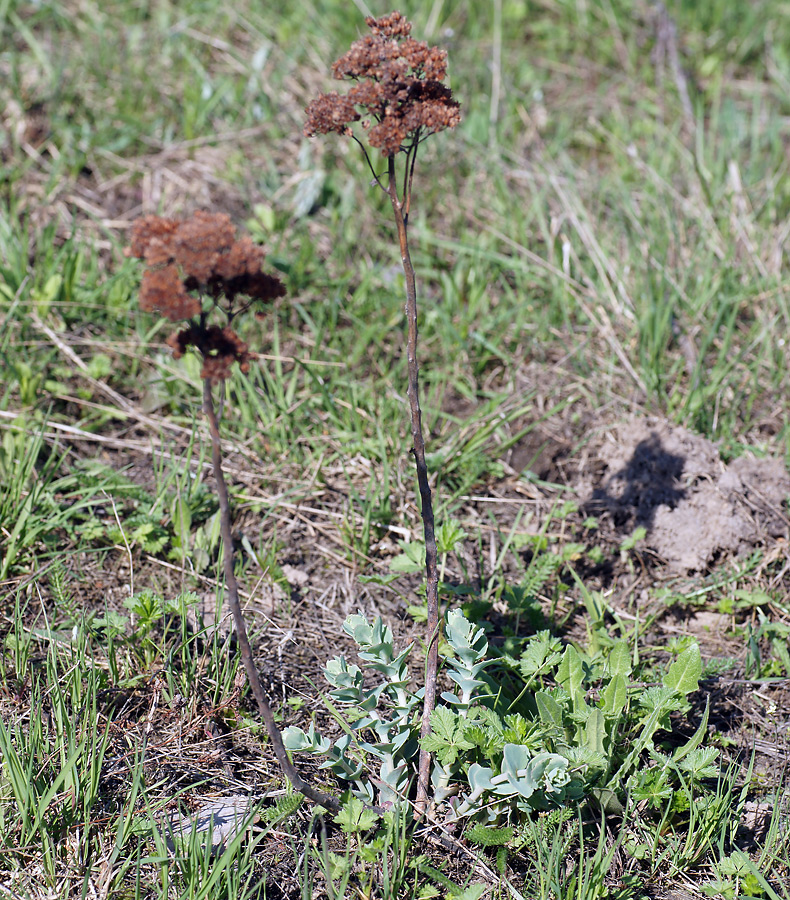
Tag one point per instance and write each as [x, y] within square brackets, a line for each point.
[619, 660]
[651, 785]
[516, 729]
[549, 710]
[489, 744]
[354, 817]
[339, 865]
[570, 674]
[701, 763]
[595, 731]
[541, 654]
[447, 737]
[615, 696]
[449, 535]
[485, 730]
[427, 892]
[583, 757]
[684, 674]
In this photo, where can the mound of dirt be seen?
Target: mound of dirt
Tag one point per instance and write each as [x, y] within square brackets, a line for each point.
[695, 508]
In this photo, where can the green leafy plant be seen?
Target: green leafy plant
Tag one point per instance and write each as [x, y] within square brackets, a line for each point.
[584, 730]
[387, 734]
[734, 877]
[380, 722]
[586, 707]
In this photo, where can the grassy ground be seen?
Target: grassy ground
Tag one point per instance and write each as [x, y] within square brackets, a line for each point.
[604, 237]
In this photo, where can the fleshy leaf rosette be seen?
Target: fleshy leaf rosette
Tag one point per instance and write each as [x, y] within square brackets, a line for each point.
[196, 259]
[399, 92]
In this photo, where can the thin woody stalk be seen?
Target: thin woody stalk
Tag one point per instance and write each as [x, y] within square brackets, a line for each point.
[265, 710]
[426, 502]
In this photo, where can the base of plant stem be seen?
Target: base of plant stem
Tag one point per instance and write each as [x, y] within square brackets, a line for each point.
[287, 767]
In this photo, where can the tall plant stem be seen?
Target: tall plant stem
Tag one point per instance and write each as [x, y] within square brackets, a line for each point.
[265, 710]
[426, 502]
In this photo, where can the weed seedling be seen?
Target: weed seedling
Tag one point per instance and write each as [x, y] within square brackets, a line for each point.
[198, 272]
[399, 99]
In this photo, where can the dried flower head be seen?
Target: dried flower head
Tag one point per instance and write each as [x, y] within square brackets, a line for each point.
[219, 347]
[163, 291]
[400, 89]
[198, 257]
[148, 229]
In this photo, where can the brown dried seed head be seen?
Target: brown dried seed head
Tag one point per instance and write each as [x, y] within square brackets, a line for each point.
[199, 241]
[399, 86]
[219, 347]
[233, 343]
[366, 58]
[388, 136]
[436, 115]
[369, 94]
[392, 26]
[148, 228]
[179, 341]
[201, 254]
[216, 368]
[260, 286]
[159, 251]
[162, 291]
[244, 257]
[239, 271]
[329, 112]
[414, 52]
[435, 66]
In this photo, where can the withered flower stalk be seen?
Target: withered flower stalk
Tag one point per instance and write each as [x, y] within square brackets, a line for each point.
[195, 268]
[398, 100]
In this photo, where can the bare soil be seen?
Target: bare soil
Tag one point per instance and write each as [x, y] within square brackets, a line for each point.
[696, 508]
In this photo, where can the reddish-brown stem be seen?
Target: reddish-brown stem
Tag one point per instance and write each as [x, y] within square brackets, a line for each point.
[312, 793]
[411, 160]
[426, 503]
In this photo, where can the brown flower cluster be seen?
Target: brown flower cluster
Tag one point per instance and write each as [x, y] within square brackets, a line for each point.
[219, 347]
[203, 254]
[400, 88]
[196, 257]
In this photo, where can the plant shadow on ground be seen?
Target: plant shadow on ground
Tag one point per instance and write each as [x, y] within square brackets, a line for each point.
[650, 479]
